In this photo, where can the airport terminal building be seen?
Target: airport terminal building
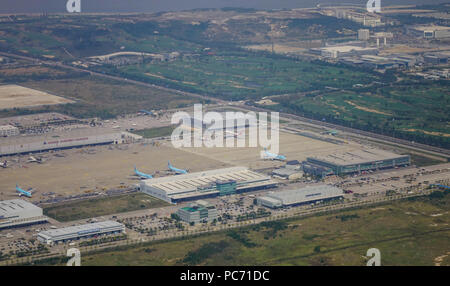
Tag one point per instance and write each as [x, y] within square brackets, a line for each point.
[295, 197]
[15, 213]
[207, 184]
[59, 140]
[360, 161]
[80, 231]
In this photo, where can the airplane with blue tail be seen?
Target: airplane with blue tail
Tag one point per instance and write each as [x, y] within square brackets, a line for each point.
[23, 192]
[440, 186]
[271, 156]
[142, 175]
[175, 170]
[146, 112]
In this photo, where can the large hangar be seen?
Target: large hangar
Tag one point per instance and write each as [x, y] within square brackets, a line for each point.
[14, 213]
[59, 140]
[306, 195]
[206, 184]
[80, 231]
[360, 160]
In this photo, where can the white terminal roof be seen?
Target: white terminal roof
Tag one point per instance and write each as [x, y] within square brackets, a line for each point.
[431, 28]
[80, 229]
[178, 186]
[74, 133]
[346, 49]
[358, 157]
[7, 127]
[309, 193]
[14, 207]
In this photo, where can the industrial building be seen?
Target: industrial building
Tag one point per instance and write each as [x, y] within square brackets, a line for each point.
[379, 62]
[80, 231]
[295, 197]
[206, 184]
[14, 213]
[287, 173]
[200, 211]
[363, 34]
[293, 165]
[8, 130]
[359, 161]
[231, 120]
[59, 140]
[335, 52]
[436, 58]
[430, 31]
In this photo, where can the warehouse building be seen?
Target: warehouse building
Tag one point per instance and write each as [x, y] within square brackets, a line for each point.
[80, 231]
[360, 160]
[436, 58]
[430, 31]
[14, 213]
[295, 197]
[59, 140]
[363, 34]
[287, 173]
[8, 130]
[200, 211]
[207, 184]
[345, 51]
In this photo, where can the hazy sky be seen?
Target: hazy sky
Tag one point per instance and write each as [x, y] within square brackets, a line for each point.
[55, 6]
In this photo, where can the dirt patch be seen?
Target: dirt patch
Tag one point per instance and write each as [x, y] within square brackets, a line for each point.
[366, 109]
[15, 96]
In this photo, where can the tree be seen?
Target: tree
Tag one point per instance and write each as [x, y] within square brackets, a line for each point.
[317, 249]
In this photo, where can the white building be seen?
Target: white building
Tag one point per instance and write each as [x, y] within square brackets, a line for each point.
[80, 231]
[206, 184]
[59, 140]
[8, 130]
[309, 194]
[431, 31]
[197, 212]
[348, 50]
[19, 213]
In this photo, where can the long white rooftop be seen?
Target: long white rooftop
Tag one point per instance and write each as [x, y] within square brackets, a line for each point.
[14, 207]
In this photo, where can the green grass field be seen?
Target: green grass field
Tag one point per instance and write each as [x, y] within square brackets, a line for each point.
[102, 206]
[239, 75]
[409, 232]
[417, 111]
[422, 161]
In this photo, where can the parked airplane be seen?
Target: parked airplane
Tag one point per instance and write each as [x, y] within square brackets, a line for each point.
[146, 112]
[142, 175]
[233, 134]
[331, 132]
[177, 171]
[23, 192]
[35, 160]
[4, 164]
[270, 156]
